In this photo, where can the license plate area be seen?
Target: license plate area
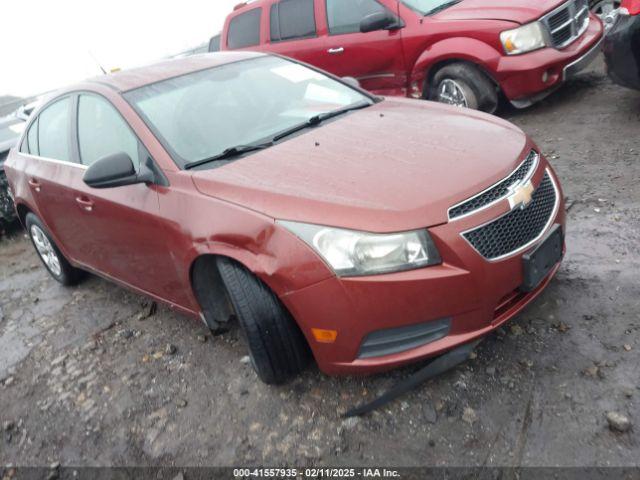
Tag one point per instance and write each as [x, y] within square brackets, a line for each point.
[538, 263]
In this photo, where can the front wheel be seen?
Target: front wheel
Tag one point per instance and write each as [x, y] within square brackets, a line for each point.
[50, 255]
[277, 347]
[463, 85]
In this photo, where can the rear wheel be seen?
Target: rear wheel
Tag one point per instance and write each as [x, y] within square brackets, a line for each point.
[49, 253]
[463, 85]
[277, 347]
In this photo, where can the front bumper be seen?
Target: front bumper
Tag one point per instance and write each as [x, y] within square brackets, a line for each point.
[470, 294]
[521, 76]
[622, 51]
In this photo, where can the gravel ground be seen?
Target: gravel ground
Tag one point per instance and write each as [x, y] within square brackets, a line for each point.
[93, 376]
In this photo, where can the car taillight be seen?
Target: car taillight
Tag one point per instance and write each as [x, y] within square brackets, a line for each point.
[630, 7]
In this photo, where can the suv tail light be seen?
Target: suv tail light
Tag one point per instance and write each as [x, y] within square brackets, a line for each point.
[630, 7]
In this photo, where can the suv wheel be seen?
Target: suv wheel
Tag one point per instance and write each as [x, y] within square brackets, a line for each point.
[464, 85]
[49, 253]
[277, 347]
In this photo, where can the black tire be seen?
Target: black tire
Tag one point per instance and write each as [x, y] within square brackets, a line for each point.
[480, 92]
[67, 274]
[277, 347]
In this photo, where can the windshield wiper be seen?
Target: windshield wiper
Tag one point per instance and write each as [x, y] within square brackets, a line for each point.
[239, 150]
[444, 6]
[318, 119]
[228, 153]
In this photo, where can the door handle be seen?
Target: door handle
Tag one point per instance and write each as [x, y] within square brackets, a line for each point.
[33, 183]
[85, 203]
[334, 51]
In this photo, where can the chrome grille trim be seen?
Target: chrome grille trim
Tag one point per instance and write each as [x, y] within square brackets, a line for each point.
[567, 23]
[524, 247]
[459, 211]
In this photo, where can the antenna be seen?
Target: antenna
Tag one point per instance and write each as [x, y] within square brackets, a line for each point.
[97, 62]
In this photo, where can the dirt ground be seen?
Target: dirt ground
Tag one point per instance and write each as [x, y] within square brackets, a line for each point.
[87, 378]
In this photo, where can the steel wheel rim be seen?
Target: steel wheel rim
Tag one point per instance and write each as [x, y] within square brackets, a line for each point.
[45, 250]
[451, 93]
[605, 8]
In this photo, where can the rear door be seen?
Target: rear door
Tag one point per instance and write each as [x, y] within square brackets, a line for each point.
[51, 172]
[374, 58]
[293, 31]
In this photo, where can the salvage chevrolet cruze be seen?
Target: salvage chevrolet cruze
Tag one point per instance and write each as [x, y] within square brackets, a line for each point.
[365, 232]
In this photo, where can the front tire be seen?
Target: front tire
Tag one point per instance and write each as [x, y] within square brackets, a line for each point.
[53, 260]
[277, 347]
[463, 85]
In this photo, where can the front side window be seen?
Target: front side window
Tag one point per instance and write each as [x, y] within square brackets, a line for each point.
[291, 19]
[344, 16]
[53, 131]
[102, 131]
[244, 30]
[201, 114]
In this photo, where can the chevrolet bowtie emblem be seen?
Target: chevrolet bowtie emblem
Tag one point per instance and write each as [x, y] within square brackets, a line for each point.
[521, 195]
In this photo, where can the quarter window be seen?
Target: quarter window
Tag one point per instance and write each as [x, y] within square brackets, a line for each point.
[344, 16]
[291, 19]
[244, 30]
[102, 131]
[32, 139]
[53, 131]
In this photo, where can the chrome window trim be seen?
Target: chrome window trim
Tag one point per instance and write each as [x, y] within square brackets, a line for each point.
[53, 160]
[527, 177]
[532, 242]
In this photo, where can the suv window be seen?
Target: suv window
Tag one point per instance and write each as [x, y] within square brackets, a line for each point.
[102, 131]
[291, 19]
[244, 30]
[53, 131]
[344, 16]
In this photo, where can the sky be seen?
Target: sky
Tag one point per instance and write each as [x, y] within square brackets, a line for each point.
[47, 44]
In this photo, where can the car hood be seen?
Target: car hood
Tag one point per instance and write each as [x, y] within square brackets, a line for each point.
[397, 165]
[518, 11]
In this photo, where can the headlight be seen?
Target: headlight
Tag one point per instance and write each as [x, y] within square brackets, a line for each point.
[352, 253]
[524, 39]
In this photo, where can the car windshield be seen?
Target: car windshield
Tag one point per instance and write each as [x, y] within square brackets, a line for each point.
[428, 7]
[203, 114]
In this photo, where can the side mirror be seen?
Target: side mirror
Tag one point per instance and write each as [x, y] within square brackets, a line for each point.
[379, 21]
[115, 170]
[351, 81]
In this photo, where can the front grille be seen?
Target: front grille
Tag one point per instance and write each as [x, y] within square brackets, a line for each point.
[519, 227]
[498, 191]
[567, 23]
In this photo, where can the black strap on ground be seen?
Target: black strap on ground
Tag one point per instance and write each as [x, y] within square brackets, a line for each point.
[435, 368]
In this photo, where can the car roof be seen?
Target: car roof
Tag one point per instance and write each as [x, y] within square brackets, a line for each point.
[133, 78]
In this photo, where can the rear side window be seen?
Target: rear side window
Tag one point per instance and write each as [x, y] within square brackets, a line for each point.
[291, 19]
[244, 30]
[344, 16]
[102, 131]
[53, 131]
[214, 44]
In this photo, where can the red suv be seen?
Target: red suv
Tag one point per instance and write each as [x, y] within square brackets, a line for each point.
[460, 52]
[370, 232]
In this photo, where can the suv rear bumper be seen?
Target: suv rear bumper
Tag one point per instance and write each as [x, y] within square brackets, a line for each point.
[522, 77]
[464, 299]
